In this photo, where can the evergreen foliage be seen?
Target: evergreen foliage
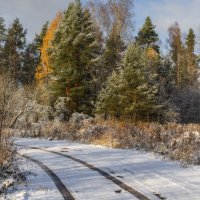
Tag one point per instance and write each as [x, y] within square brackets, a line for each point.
[131, 90]
[74, 56]
[112, 55]
[147, 36]
[39, 38]
[30, 61]
[13, 51]
[192, 67]
[86, 59]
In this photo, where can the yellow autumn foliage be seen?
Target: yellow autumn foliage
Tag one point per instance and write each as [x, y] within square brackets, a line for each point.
[152, 53]
[44, 68]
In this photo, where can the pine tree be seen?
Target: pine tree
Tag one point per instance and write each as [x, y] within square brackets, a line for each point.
[30, 61]
[131, 91]
[191, 59]
[39, 38]
[147, 36]
[74, 54]
[13, 51]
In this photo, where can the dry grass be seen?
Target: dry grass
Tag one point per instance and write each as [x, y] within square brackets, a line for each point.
[6, 151]
[5, 156]
[175, 141]
[51, 129]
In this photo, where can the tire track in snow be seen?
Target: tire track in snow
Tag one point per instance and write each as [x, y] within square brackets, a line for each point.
[108, 176]
[59, 184]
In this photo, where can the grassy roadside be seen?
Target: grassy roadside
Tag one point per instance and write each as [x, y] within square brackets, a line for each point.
[175, 141]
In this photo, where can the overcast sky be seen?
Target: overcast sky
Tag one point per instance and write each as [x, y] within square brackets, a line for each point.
[34, 13]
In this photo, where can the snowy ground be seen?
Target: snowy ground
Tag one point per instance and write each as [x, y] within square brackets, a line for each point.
[143, 172]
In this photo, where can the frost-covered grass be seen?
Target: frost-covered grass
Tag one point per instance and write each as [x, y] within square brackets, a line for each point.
[9, 172]
[6, 150]
[175, 141]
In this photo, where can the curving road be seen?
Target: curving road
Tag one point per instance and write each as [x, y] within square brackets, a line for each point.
[63, 170]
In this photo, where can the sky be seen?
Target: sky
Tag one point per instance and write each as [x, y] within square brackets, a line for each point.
[34, 13]
[166, 12]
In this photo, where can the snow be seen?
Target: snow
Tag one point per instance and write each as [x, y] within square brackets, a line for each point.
[37, 186]
[144, 172]
[6, 184]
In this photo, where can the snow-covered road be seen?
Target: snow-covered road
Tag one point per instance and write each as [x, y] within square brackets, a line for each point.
[89, 172]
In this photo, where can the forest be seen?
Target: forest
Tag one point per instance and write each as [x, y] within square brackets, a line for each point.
[89, 55]
[90, 59]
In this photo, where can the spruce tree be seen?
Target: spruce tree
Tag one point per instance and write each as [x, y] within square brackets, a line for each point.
[131, 90]
[73, 57]
[147, 36]
[190, 41]
[108, 101]
[192, 67]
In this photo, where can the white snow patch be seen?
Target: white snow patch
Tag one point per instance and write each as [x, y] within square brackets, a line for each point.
[148, 174]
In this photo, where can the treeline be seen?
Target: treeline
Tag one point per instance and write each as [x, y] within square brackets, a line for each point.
[88, 54]
[18, 57]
